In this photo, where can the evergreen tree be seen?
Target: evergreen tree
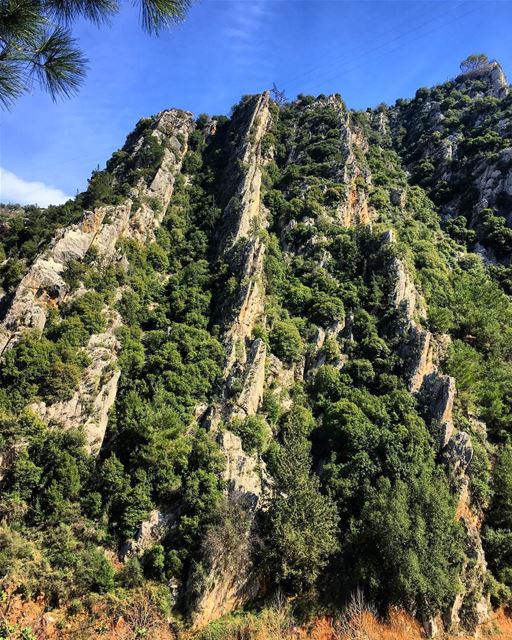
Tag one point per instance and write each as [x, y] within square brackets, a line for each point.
[36, 42]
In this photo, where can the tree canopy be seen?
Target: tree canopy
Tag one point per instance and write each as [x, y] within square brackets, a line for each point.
[36, 43]
[474, 62]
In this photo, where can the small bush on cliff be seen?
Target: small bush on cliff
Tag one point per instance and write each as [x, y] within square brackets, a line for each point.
[253, 431]
[285, 341]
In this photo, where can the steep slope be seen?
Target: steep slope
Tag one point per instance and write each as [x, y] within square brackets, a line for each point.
[257, 359]
[456, 140]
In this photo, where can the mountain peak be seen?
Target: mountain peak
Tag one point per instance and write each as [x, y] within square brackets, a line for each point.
[491, 74]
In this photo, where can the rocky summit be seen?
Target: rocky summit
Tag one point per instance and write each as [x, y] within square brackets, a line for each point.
[263, 364]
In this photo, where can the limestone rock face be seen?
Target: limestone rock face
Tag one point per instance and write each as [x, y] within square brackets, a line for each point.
[244, 207]
[439, 391]
[458, 451]
[245, 480]
[155, 526]
[43, 287]
[254, 380]
[250, 302]
[405, 294]
[492, 74]
[398, 198]
[418, 348]
[436, 392]
[96, 394]
[354, 209]
[430, 138]
[230, 583]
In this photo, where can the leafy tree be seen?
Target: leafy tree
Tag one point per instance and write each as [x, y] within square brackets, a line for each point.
[404, 562]
[94, 572]
[35, 41]
[300, 525]
[285, 341]
[253, 431]
[474, 62]
[498, 533]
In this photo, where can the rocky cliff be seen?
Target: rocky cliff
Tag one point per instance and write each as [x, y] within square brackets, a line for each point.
[270, 358]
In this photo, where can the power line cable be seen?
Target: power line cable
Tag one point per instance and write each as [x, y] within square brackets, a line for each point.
[347, 64]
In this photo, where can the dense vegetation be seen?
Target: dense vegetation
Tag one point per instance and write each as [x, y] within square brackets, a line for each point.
[361, 493]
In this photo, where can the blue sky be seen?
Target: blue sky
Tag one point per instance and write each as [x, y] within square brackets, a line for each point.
[370, 52]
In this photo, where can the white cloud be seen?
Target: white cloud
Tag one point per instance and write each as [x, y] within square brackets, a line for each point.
[16, 190]
[244, 27]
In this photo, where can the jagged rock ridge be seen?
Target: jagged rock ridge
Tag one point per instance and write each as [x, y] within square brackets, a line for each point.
[300, 188]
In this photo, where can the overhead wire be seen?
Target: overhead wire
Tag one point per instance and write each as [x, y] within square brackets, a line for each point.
[347, 53]
[351, 63]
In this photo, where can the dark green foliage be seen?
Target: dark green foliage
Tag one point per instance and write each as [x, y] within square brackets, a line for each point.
[100, 190]
[300, 525]
[285, 341]
[38, 367]
[94, 573]
[253, 431]
[33, 45]
[406, 563]
[498, 534]
[88, 308]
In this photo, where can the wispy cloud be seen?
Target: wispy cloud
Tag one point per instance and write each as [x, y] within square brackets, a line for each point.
[244, 28]
[14, 189]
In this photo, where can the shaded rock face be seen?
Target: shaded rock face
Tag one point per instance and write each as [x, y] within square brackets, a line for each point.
[491, 74]
[158, 524]
[438, 133]
[232, 583]
[437, 393]
[231, 579]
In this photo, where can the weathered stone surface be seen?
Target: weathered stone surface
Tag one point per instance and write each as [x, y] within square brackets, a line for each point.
[458, 452]
[440, 391]
[317, 358]
[96, 393]
[244, 209]
[473, 596]
[8, 457]
[497, 85]
[158, 524]
[354, 208]
[419, 357]
[231, 585]
[433, 626]
[254, 380]
[398, 197]
[244, 474]
[405, 294]
[229, 577]
[250, 306]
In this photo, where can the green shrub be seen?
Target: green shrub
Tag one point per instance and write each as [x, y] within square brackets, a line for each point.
[253, 431]
[285, 341]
